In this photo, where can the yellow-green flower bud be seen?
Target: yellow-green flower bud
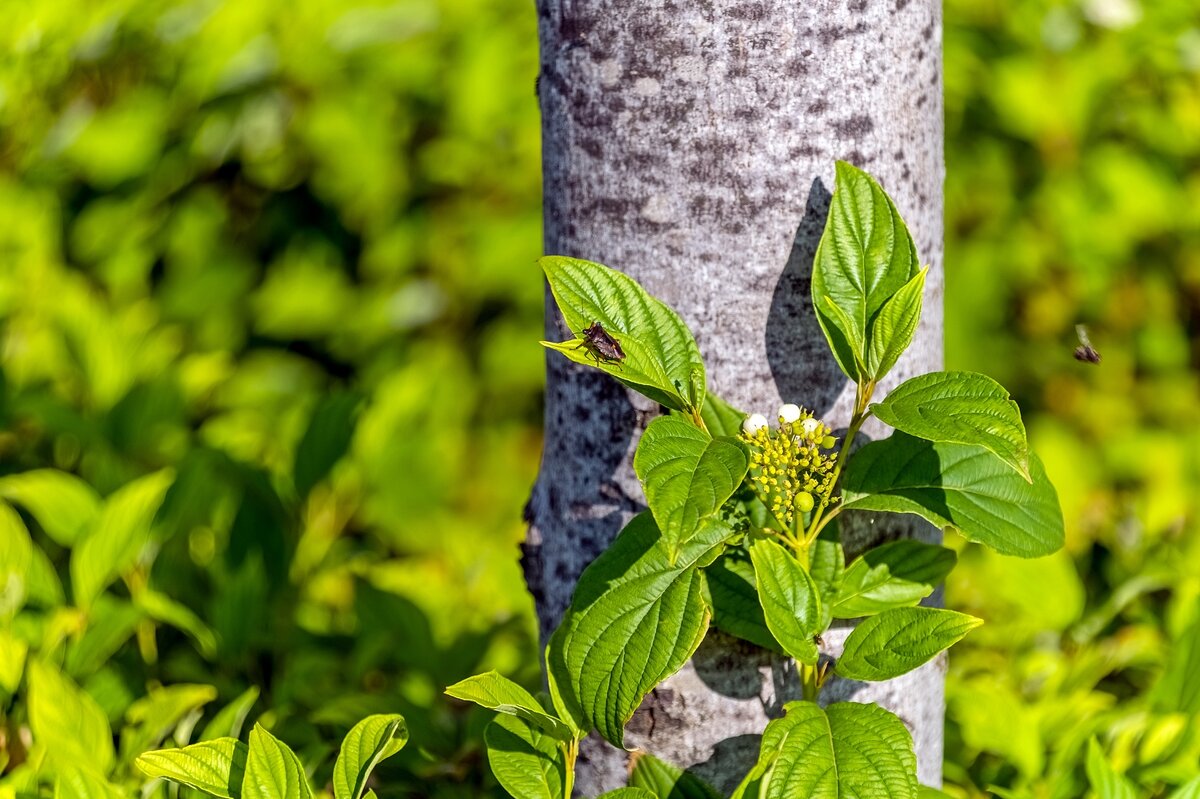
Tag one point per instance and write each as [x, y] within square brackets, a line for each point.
[804, 502]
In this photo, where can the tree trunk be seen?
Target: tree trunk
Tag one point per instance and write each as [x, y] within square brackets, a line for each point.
[692, 146]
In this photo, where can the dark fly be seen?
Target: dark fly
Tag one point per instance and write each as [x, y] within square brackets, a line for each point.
[1085, 352]
[600, 345]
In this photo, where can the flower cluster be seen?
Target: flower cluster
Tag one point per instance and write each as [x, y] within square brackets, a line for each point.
[790, 467]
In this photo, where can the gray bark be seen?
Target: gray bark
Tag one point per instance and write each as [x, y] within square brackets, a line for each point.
[691, 144]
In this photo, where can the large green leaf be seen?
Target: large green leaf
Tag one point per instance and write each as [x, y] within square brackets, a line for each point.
[789, 599]
[117, 536]
[63, 504]
[896, 574]
[866, 256]
[628, 793]
[897, 641]
[666, 781]
[494, 691]
[16, 558]
[1105, 781]
[370, 741]
[959, 408]
[961, 486]
[734, 598]
[272, 769]
[893, 328]
[687, 475]
[527, 762]
[66, 720]
[636, 617]
[845, 751]
[661, 360]
[216, 767]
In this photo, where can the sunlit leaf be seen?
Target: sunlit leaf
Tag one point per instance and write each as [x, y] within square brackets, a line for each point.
[897, 641]
[372, 740]
[216, 767]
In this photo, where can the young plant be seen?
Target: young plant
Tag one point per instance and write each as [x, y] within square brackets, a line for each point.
[267, 768]
[742, 514]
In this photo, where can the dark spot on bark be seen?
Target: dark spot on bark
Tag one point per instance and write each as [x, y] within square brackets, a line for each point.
[748, 11]
[898, 155]
[921, 101]
[927, 31]
[819, 107]
[902, 4]
[747, 114]
[804, 150]
[835, 33]
[857, 158]
[592, 147]
[858, 6]
[855, 127]
[905, 173]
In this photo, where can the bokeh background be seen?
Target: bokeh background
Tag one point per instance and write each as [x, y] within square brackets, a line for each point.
[281, 250]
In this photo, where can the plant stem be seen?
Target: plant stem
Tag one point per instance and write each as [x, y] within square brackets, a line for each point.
[861, 413]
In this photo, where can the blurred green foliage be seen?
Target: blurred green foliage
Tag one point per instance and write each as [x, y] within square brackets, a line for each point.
[276, 256]
[1073, 196]
[280, 250]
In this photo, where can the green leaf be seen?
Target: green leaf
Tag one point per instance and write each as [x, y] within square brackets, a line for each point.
[162, 608]
[1178, 689]
[661, 360]
[721, 418]
[959, 408]
[866, 256]
[628, 793]
[733, 596]
[667, 781]
[272, 769]
[893, 327]
[896, 574]
[67, 721]
[1189, 790]
[636, 617]
[527, 763]
[63, 504]
[110, 624]
[496, 692]
[13, 651]
[827, 565]
[687, 475]
[372, 740]
[118, 535]
[216, 767]
[1105, 781]
[80, 782]
[229, 719]
[326, 439]
[846, 750]
[789, 599]
[16, 558]
[959, 486]
[897, 641]
[151, 718]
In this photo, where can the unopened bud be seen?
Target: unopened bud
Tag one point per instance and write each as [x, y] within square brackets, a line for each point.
[804, 502]
[810, 426]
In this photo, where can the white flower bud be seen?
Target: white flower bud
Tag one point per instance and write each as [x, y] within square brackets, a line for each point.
[809, 426]
[754, 422]
[789, 413]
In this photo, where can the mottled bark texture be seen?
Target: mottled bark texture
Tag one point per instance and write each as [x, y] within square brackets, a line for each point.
[691, 144]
